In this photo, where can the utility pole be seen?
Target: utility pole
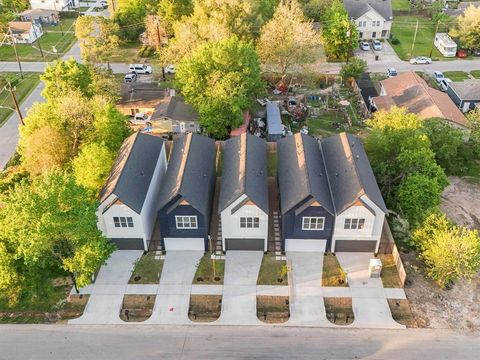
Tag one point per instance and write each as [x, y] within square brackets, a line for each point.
[38, 40]
[433, 43]
[414, 38]
[15, 50]
[350, 35]
[10, 88]
[59, 20]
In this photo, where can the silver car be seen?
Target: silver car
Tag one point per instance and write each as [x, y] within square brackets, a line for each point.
[421, 60]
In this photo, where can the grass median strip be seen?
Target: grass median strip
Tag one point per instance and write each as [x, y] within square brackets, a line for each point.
[147, 270]
[209, 271]
[272, 271]
[333, 274]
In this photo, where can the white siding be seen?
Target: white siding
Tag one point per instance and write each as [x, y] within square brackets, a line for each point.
[231, 223]
[368, 29]
[59, 5]
[149, 210]
[122, 232]
[373, 223]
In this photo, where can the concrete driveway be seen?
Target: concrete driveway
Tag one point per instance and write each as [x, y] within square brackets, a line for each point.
[307, 307]
[239, 301]
[369, 299]
[385, 56]
[106, 297]
[173, 295]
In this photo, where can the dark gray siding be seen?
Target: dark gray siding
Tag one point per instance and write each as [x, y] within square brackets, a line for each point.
[244, 244]
[355, 246]
[453, 96]
[128, 243]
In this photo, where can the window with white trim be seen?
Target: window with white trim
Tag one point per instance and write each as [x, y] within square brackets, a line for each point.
[186, 222]
[354, 224]
[249, 222]
[122, 221]
[313, 223]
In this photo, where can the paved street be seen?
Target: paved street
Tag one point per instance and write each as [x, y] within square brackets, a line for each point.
[39, 342]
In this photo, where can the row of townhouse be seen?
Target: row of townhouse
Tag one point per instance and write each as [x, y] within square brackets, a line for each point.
[329, 198]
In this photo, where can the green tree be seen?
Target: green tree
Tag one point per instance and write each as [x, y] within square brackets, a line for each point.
[220, 80]
[61, 77]
[450, 252]
[92, 166]
[288, 38]
[130, 15]
[171, 11]
[353, 69]
[474, 119]
[467, 28]
[49, 227]
[314, 9]
[16, 6]
[339, 34]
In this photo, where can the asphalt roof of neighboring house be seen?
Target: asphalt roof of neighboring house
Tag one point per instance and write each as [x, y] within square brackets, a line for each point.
[467, 90]
[36, 13]
[349, 172]
[302, 173]
[274, 120]
[175, 108]
[461, 7]
[146, 94]
[357, 8]
[133, 169]
[412, 92]
[191, 170]
[244, 171]
[20, 27]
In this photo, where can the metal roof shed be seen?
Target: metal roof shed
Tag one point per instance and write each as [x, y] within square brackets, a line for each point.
[274, 122]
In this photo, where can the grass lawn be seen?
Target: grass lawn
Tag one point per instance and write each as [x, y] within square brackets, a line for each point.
[475, 74]
[126, 52]
[27, 52]
[400, 4]
[456, 75]
[147, 270]
[389, 275]
[403, 28]
[24, 87]
[322, 125]
[271, 271]
[67, 25]
[333, 274]
[205, 275]
[272, 163]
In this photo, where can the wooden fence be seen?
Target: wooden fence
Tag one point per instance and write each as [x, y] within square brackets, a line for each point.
[388, 246]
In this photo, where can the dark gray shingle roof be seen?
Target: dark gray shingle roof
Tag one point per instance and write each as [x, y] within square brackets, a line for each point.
[357, 8]
[190, 176]
[301, 172]
[244, 171]
[467, 90]
[132, 172]
[274, 119]
[175, 108]
[349, 172]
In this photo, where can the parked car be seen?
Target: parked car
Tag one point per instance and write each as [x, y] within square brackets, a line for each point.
[438, 75]
[377, 45]
[364, 45]
[462, 53]
[130, 77]
[170, 69]
[421, 60]
[444, 84]
[391, 72]
[140, 68]
[476, 52]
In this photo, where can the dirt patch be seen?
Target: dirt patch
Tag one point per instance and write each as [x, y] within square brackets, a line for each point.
[273, 309]
[204, 308]
[402, 313]
[339, 310]
[460, 202]
[433, 307]
[389, 275]
[137, 307]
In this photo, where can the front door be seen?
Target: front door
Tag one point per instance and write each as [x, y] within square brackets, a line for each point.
[374, 35]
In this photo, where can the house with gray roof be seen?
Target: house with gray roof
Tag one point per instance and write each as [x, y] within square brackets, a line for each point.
[307, 209]
[128, 200]
[372, 17]
[186, 198]
[465, 94]
[358, 204]
[243, 201]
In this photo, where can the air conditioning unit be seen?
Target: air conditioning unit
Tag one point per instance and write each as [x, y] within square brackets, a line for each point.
[375, 268]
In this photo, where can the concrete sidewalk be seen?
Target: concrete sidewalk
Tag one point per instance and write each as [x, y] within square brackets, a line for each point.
[107, 293]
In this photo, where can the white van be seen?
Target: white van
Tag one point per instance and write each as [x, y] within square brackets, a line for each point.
[140, 69]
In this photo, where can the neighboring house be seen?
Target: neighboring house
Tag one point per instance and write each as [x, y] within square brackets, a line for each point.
[175, 116]
[410, 91]
[128, 200]
[465, 94]
[461, 7]
[372, 17]
[243, 203]
[305, 199]
[185, 203]
[59, 5]
[274, 122]
[141, 97]
[42, 16]
[359, 206]
[25, 32]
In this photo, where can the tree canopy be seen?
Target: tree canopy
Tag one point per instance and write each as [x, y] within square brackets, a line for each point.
[171, 11]
[288, 38]
[220, 79]
[353, 69]
[467, 28]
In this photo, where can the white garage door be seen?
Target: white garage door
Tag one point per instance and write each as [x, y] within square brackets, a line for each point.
[310, 245]
[184, 244]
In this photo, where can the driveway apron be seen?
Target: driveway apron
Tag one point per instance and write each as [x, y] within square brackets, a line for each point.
[173, 295]
[369, 300]
[106, 298]
[307, 307]
[239, 301]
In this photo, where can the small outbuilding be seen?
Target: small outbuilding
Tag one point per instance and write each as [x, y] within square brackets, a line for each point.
[274, 122]
[243, 204]
[445, 44]
[465, 94]
[25, 32]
